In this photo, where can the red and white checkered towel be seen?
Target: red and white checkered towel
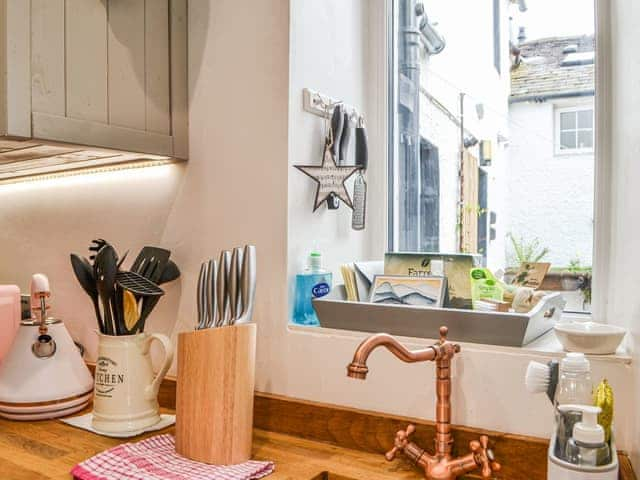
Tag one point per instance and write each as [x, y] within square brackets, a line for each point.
[156, 459]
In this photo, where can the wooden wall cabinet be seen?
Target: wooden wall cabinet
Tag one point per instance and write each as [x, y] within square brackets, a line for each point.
[105, 73]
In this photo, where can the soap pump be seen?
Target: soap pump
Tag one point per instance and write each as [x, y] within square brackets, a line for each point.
[587, 446]
[588, 455]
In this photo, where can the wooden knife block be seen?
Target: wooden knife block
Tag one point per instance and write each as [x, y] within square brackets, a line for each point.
[214, 396]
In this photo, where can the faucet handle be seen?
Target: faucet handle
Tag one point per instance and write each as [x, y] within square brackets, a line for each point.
[484, 456]
[400, 443]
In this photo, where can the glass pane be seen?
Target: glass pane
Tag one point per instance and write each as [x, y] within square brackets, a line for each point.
[567, 140]
[481, 163]
[585, 139]
[585, 119]
[567, 120]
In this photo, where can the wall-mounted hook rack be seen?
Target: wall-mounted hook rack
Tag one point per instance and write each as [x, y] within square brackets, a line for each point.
[322, 105]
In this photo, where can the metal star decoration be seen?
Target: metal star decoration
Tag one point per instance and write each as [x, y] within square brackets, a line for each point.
[330, 178]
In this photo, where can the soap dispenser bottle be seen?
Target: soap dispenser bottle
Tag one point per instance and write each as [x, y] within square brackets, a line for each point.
[313, 282]
[587, 447]
[574, 388]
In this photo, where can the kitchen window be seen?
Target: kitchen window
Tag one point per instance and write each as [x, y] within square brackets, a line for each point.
[574, 130]
[497, 44]
[502, 194]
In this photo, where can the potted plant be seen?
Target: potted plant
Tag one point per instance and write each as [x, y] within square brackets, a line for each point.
[523, 251]
[570, 279]
[577, 277]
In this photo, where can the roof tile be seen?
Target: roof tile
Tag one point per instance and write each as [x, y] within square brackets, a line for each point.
[540, 72]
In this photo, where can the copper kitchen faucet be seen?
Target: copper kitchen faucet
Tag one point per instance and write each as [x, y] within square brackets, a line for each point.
[440, 466]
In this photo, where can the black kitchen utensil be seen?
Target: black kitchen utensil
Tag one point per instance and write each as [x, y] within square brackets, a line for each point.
[148, 304]
[362, 147]
[151, 262]
[105, 269]
[337, 124]
[117, 310]
[121, 261]
[84, 273]
[144, 289]
[344, 140]
[97, 244]
[170, 273]
[95, 247]
[117, 314]
[138, 284]
[117, 302]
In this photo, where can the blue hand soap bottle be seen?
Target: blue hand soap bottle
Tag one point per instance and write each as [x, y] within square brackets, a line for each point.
[313, 282]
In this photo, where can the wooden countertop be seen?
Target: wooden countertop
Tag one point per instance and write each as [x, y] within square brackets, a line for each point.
[303, 438]
[47, 450]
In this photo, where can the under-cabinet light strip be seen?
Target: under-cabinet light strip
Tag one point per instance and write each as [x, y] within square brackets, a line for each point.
[37, 177]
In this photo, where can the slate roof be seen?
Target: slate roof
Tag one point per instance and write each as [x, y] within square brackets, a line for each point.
[540, 72]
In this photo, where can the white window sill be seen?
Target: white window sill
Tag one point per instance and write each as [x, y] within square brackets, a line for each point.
[574, 152]
[546, 346]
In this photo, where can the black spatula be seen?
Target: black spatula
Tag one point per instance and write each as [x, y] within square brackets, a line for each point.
[151, 262]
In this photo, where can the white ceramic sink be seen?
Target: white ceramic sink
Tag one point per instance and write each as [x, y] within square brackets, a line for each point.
[589, 337]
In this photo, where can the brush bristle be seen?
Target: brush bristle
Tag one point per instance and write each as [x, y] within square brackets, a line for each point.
[537, 378]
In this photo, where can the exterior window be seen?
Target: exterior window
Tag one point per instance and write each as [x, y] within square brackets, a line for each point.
[429, 197]
[574, 130]
[488, 185]
[496, 35]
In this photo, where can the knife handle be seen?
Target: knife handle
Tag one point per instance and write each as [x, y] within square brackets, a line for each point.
[344, 140]
[337, 125]
[221, 286]
[362, 148]
[232, 285]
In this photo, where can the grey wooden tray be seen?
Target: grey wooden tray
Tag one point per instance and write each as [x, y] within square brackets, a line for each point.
[507, 329]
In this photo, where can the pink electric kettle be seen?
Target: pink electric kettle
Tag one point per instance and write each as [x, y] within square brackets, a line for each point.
[10, 313]
[43, 375]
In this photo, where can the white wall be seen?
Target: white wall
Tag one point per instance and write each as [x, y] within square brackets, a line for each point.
[43, 221]
[623, 306]
[550, 196]
[488, 386]
[232, 191]
[330, 45]
[239, 143]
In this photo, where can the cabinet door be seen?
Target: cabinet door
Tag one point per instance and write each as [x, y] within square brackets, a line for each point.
[108, 73]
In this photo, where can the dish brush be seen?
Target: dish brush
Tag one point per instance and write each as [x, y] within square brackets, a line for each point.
[542, 378]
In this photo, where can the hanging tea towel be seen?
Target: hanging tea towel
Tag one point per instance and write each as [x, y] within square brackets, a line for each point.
[156, 459]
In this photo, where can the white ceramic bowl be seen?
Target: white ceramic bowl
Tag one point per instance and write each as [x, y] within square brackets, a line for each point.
[589, 337]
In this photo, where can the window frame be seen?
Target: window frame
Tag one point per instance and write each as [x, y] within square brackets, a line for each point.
[601, 151]
[497, 37]
[558, 111]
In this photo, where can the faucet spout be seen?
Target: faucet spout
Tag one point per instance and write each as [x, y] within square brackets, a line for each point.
[358, 366]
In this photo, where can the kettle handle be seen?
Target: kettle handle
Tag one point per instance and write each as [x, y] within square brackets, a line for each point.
[151, 392]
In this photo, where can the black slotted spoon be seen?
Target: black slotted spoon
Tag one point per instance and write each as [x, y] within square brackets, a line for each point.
[142, 288]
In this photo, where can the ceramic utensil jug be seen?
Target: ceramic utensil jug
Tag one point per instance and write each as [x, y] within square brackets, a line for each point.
[126, 390]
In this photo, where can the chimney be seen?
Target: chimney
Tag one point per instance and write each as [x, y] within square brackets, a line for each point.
[522, 36]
